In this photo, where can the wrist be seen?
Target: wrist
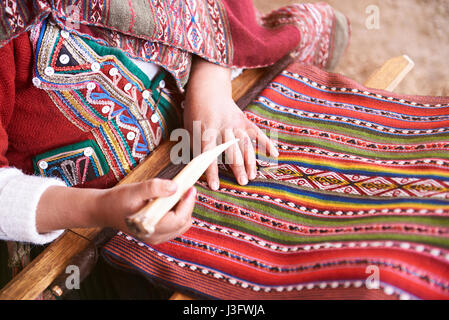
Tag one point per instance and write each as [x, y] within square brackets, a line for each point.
[98, 211]
[205, 68]
[64, 208]
[208, 79]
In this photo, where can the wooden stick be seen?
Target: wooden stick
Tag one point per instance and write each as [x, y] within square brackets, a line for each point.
[390, 74]
[144, 222]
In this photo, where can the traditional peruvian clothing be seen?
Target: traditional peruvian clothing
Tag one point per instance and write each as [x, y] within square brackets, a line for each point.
[88, 90]
[77, 104]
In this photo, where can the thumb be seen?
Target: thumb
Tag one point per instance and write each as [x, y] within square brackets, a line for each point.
[155, 188]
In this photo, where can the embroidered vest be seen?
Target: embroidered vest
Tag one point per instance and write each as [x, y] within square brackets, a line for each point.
[104, 94]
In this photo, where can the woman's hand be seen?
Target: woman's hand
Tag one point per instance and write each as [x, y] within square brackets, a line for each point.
[63, 208]
[209, 101]
[122, 201]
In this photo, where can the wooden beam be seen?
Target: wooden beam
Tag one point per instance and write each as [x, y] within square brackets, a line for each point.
[37, 276]
[390, 74]
[245, 82]
[180, 296]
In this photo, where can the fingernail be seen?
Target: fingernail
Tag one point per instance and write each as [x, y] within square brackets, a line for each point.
[172, 186]
[243, 180]
[253, 175]
[214, 185]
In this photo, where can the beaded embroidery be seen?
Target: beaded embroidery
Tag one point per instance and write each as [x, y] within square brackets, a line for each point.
[102, 92]
[75, 164]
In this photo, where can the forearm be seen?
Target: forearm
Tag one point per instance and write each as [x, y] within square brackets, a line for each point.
[65, 208]
[62, 208]
[206, 78]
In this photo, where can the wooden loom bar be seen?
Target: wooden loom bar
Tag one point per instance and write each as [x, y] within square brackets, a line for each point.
[390, 74]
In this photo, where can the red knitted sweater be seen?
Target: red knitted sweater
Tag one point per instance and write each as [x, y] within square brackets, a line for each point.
[33, 127]
[30, 124]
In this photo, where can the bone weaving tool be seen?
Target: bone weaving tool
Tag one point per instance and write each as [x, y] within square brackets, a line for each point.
[143, 223]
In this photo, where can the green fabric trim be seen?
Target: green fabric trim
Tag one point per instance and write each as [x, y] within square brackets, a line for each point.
[361, 133]
[72, 147]
[122, 57]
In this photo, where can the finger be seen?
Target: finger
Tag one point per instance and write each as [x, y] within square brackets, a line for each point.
[235, 159]
[212, 176]
[209, 141]
[179, 220]
[169, 234]
[161, 238]
[156, 187]
[249, 155]
[184, 208]
[265, 143]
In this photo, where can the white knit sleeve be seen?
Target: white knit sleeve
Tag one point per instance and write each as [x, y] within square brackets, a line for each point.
[19, 196]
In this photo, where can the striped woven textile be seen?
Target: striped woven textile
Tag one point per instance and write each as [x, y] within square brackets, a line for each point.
[356, 206]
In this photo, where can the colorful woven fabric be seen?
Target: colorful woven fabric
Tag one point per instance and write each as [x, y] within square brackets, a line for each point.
[360, 189]
[169, 32]
[100, 91]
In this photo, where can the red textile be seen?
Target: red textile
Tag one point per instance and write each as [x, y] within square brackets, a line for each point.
[360, 189]
[227, 32]
[256, 45]
[30, 125]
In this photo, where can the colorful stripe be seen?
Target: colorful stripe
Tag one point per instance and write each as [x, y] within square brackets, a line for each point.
[75, 164]
[361, 182]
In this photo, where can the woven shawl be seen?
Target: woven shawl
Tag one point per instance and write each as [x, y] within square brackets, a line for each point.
[227, 32]
[356, 207]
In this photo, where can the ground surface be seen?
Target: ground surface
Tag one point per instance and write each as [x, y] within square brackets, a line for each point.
[418, 28]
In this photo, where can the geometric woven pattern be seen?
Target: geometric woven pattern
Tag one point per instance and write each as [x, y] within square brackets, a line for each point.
[168, 32]
[360, 189]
